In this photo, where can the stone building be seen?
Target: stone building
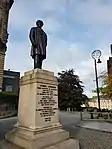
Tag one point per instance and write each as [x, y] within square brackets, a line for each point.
[104, 103]
[109, 66]
[5, 6]
[109, 63]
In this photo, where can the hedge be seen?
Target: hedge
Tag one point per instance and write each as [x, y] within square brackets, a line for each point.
[10, 98]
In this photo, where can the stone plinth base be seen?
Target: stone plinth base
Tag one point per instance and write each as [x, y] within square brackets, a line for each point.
[50, 140]
[68, 144]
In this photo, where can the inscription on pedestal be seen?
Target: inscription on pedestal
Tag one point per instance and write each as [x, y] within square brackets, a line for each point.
[47, 101]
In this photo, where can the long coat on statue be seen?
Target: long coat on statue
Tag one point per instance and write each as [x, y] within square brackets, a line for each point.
[39, 42]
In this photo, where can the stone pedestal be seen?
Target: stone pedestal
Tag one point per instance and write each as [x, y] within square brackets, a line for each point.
[38, 124]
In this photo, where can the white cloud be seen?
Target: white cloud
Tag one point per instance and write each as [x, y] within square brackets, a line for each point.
[17, 56]
[52, 25]
[53, 5]
[93, 12]
[23, 16]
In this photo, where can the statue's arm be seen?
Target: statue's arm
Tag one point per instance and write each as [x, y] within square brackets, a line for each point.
[46, 39]
[11, 3]
[32, 37]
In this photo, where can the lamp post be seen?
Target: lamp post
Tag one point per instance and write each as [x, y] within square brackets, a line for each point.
[96, 56]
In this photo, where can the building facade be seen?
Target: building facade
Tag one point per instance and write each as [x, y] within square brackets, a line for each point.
[11, 81]
[109, 63]
[5, 6]
[104, 104]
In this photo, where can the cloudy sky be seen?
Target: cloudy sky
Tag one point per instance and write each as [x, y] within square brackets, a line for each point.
[75, 28]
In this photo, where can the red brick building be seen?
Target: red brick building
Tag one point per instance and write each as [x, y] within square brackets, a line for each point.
[5, 6]
[109, 66]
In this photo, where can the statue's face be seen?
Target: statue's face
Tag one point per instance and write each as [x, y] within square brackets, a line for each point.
[39, 23]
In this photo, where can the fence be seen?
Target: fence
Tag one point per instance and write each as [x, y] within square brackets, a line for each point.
[96, 116]
[7, 111]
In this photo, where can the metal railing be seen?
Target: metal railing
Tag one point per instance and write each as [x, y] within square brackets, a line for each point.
[96, 116]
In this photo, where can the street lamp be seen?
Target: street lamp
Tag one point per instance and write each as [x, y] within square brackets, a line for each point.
[96, 56]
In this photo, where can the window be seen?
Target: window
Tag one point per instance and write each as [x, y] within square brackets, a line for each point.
[8, 88]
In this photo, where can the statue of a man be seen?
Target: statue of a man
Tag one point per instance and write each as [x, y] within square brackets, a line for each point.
[38, 40]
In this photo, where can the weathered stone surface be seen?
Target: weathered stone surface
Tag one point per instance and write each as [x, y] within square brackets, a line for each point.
[68, 144]
[38, 100]
[41, 140]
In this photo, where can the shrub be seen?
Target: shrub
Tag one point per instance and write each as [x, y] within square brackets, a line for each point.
[9, 98]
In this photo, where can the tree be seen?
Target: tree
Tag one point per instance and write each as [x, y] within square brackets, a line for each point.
[106, 88]
[70, 90]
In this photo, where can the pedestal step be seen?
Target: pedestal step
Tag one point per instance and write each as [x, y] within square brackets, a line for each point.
[40, 141]
[68, 144]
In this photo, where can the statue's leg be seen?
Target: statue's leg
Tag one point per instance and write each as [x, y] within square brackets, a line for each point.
[40, 61]
[37, 62]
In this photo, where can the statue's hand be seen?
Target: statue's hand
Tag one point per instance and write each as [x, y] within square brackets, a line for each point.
[33, 56]
[34, 45]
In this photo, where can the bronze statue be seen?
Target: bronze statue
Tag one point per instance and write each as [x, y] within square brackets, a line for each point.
[38, 40]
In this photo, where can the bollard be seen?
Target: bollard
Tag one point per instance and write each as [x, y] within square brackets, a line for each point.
[92, 117]
[81, 116]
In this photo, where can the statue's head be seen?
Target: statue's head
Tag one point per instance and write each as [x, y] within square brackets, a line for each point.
[39, 23]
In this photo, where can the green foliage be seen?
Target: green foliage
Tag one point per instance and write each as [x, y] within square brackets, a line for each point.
[70, 91]
[9, 98]
[106, 89]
